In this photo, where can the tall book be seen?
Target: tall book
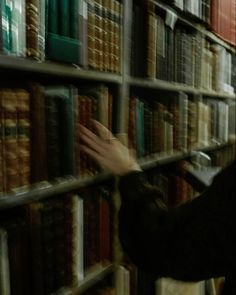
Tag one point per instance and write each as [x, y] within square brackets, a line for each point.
[9, 140]
[23, 135]
[4, 264]
[38, 133]
[18, 28]
[152, 42]
[60, 45]
[60, 130]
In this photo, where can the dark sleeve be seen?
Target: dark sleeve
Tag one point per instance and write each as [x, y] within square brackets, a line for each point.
[192, 242]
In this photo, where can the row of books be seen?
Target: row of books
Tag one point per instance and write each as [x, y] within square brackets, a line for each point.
[198, 8]
[219, 16]
[223, 19]
[39, 137]
[83, 32]
[52, 244]
[175, 122]
[176, 53]
[218, 71]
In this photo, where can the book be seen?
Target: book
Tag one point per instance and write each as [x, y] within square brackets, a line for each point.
[4, 264]
[169, 286]
[60, 130]
[6, 8]
[23, 136]
[64, 15]
[223, 19]
[34, 215]
[18, 28]
[9, 140]
[38, 144]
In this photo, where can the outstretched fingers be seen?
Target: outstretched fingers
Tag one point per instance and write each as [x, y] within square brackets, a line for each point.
[94, 154]
[90, 139]
[103, 132]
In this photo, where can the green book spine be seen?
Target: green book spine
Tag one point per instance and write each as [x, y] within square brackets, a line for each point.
[6, 26]
[67, 130]
[63, 48]
[74, 14]
[52, 11]
[64, 16]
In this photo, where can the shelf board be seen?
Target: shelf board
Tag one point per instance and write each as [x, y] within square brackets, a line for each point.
[217, 94]
[97, 274]
[172, 86]
[164, 159]
[158, 160]
[93, 277]
[56, 69]
[160, 84]
[46, 189]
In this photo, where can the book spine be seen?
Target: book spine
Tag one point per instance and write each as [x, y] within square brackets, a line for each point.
[18, 28]
[4, 264]
[152, 43]
[74, 14]
[38, 133]
[67, 130]
[53, 14]
[6, 7]
[91, 35]
[52, 136]
[42, 29]
[23, 138]
[99, 34]
[64, 16]
[105, 6]
[36, 239]
[10, 154]
[32, 29]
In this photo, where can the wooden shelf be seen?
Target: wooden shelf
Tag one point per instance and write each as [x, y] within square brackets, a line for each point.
[172, 86]
[160, 84]
[164, 159]
[46, 189]
[98, 273]
[56, 69]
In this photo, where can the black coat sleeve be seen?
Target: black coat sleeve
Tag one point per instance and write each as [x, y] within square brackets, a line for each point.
[192, 242]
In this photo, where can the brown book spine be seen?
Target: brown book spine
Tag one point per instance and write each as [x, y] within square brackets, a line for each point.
[111, 34]
[23, 116]
[35, 232]
[38, 133]
[151, 43]
[98, 34]
[104, 227]
[82, 121]
[10, 148]
[91, 35]
[105, 7]
[32, 28]
[118, 8]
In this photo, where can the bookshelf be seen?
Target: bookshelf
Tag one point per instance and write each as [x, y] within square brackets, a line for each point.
[108, 63]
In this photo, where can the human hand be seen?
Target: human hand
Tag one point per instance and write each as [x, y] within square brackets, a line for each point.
[107, 150]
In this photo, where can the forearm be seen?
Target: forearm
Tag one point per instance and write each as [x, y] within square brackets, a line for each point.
[186, 243]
